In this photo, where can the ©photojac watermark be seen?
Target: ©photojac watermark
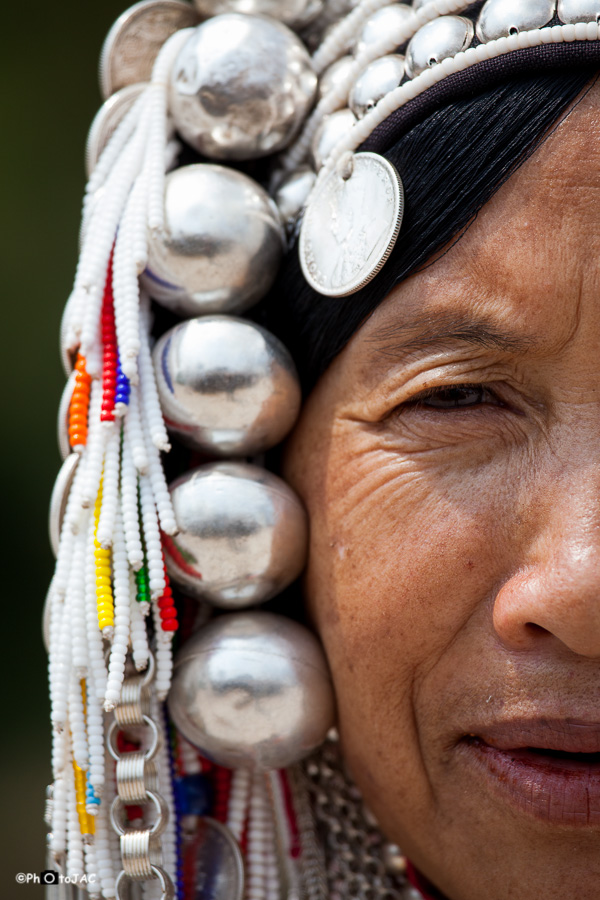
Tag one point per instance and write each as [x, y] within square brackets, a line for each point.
[50, 876]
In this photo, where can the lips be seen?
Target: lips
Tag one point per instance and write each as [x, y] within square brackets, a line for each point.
[547, 768]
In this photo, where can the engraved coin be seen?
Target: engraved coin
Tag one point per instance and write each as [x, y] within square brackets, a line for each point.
[213, 860]
[106, 120]
[351, 224]
[133, 42]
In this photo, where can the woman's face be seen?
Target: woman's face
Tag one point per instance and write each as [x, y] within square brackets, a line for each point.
[450, 462]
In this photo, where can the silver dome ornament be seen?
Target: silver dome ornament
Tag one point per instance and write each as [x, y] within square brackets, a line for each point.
[381, 24]
[330, 131]
[573, 11]
[226, 386]
[502, 18]
[242, 535]
[132, 44]
[378, 79]
[293, 13]
[106, 121]
[292, 193]
[252, 689]
[221, 246]
[351, 224]
[334, 77]
[241, 87]
[437, 40]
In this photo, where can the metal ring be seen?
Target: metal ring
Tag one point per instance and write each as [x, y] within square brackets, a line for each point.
[157, 827]
[168, 891]
[148, 675]
[149, 753]
[134, 702]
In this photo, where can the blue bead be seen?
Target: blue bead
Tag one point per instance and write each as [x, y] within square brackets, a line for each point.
[193, 795]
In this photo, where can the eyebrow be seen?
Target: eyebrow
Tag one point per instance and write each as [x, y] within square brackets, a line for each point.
[437, 329]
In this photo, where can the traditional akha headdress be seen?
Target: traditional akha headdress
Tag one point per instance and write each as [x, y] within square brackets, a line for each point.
[288, 155]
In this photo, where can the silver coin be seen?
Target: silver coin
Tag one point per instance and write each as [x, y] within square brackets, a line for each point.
[132, 44]
[351, 224]
[58, 501]
[106, 120]
[212, 854]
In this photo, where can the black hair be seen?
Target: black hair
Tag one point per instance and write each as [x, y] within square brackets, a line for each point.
[451, 164]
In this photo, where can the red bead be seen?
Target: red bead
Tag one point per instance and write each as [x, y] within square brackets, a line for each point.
[170, 625]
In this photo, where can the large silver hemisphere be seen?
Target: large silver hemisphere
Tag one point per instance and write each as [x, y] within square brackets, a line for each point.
[294, 13]
[501, 18]
[221, 246]
[572, 11]
[331, 130]
[378, 79]
[226, 386]
[241, 87]
[436, 41]
[381, 24]
[292, 193]
[242, 534]
[252, 689]
[334, 77]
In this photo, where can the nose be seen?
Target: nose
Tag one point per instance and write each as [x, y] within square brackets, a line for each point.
[556, 593]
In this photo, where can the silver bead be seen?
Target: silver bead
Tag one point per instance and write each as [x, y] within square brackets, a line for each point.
[252, 689]
[394, 860]
[573, 11]
[242, 535]
[381, 24]
[378, 79]
[334, 76]
[106, 121]
[293, 13]
[501, 18]
[226, 386]
[222, 243]
[331, 130]
[437, 40]
[241, 87]
[292, 193]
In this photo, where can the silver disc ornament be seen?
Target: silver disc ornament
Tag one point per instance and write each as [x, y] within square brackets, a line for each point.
[242, 536]
[106, 121]
[133, 43]
[252, 688]
[213, 861]
[351, 224]
[221, 245]
[226, 386]
[241, 87]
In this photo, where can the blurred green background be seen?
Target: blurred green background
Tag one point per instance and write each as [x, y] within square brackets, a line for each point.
[49, 97]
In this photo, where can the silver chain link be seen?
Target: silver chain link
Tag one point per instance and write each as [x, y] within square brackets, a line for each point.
[354, 848]
[137, 783]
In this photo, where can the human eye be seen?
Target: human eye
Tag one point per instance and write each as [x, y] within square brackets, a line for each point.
[454, 397]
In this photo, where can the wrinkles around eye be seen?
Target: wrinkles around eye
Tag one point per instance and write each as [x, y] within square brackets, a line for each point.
[455, 397]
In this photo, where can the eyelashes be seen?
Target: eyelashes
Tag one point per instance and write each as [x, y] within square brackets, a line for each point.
[454, 397]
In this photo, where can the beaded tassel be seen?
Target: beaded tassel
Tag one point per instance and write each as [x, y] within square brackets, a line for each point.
[109, 343]
[104, 594]
[79, 406]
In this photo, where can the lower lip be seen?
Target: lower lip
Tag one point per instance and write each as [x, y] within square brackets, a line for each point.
[555, 790]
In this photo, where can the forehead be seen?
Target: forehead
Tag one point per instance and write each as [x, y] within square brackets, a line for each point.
[532, 254]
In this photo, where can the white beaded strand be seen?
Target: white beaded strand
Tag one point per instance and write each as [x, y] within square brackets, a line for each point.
[110, 489]
[77, 723]
[97, 665]
[75, 605]
[104, 854]
[122, 605]
[139, 636]
[150, 402]
[154, 554]
[129, 507]
[259, 835]
[336, 43]
[133, 432]
[93, 455]
[95, 732]
[74, 866]
[238, 801]
[169, 837]
[61, 671]
[58, 841]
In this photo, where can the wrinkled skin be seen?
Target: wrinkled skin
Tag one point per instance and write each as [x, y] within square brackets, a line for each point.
[454, 572]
